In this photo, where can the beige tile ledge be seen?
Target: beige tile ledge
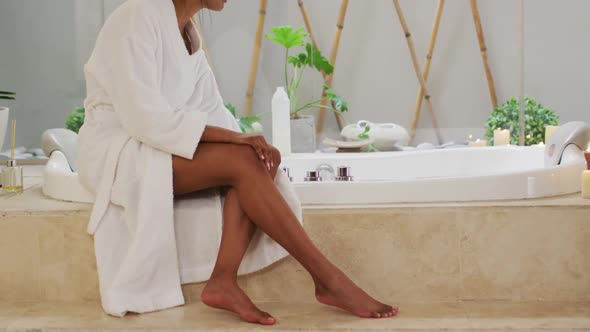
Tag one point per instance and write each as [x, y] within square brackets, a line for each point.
[461, 316]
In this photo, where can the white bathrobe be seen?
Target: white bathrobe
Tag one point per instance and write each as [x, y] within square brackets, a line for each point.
[149, 99]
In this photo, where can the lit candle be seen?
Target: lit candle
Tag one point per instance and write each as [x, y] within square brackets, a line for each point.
[501, 137]
[478, 143]
[549, 130]
[586, 177]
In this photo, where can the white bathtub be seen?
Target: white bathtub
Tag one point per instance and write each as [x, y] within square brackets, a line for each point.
[453, 175]
[448, 175]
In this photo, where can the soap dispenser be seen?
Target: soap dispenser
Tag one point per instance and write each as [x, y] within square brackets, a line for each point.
[281, 121]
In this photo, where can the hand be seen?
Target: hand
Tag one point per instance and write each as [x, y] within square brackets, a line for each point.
[266, 152]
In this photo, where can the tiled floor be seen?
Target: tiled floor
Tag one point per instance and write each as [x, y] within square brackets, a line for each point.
[466, 316]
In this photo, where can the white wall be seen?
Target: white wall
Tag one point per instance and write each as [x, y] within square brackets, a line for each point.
[558, 65]
[38, 59]
[42, 44]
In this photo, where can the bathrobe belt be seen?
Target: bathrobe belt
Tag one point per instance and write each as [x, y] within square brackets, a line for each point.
[107, 119]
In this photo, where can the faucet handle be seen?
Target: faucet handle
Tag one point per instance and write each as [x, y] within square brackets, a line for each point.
[343, 174]
[313, 176]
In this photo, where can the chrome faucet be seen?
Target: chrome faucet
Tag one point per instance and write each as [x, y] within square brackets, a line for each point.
[286, 170]
[326, 172]
[570, 135]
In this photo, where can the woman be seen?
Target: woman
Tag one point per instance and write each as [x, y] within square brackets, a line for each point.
[181, 195]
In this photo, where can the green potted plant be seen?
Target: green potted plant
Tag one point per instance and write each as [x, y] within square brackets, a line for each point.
[507, 116]
[248, 124]
[4, 115]
[76, 120]
[307, 56]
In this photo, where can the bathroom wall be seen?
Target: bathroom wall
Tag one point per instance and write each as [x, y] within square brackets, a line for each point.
[557, 46]
[41, 58]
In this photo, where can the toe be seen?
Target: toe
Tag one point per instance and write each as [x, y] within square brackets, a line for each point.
[267, 318]
[376, 315]
[267, 321]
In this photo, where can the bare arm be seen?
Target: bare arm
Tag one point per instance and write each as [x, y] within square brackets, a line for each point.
[214, 134]
[266, 152]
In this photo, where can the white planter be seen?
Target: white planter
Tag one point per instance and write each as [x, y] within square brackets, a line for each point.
[4, 112]
[387, 136]
[303, 139]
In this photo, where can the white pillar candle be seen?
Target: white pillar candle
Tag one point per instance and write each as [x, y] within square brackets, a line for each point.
[501, 137]
[549, 130]
[586, 177]
[478, 143]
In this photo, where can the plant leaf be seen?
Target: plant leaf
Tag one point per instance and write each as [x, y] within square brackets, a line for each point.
[232, 109]
[317, 60]
[246, 122]
[298, 60]
[372, 148]
[339, 102]
[365, 134]
[76, 119]
[286, 36]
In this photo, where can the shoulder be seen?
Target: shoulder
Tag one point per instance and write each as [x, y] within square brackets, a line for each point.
[144, 18]
[135, 25]
[134, 19]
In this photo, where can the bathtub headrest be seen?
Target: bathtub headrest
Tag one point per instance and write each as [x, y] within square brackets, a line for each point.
[63, 140]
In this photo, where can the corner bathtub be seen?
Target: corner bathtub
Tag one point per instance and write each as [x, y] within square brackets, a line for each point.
[447, 175]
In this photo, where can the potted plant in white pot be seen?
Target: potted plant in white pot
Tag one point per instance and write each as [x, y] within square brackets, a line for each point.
[303, 126]
[4, 113]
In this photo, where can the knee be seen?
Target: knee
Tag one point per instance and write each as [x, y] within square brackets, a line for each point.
[277, 156]
[247, 162]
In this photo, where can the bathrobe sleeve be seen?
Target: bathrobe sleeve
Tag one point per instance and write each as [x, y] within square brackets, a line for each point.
[131, 81]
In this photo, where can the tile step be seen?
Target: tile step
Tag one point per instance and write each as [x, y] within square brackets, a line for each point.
[411, 255]
[456, 316]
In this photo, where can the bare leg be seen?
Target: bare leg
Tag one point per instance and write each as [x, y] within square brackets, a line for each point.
[238, 166]
[222, 290]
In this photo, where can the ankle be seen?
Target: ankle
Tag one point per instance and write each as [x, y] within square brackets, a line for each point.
[225, 278]
[330, 282]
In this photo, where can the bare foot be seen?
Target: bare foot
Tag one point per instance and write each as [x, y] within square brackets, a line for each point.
[341, 292]
[227, 295]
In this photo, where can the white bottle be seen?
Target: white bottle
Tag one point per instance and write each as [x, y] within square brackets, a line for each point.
[281, 121]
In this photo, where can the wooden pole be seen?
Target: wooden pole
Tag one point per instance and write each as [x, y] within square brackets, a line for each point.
[307, 21]
[417, 68]
[255, 58]
[484, 52]
[329, 78]
[426, 71]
